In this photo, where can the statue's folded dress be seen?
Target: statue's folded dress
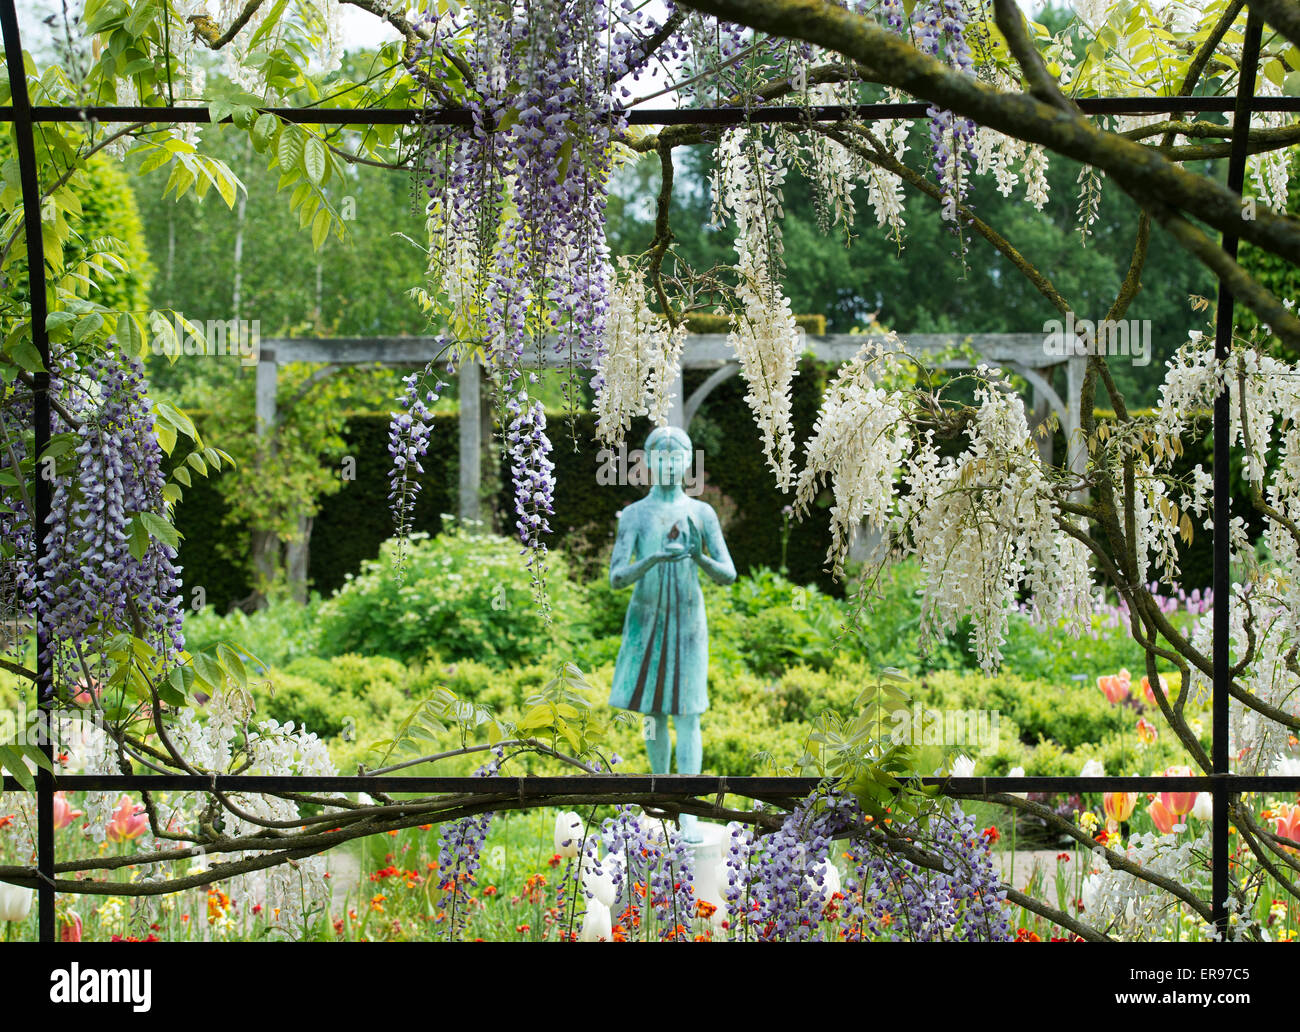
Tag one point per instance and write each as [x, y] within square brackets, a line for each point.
[663, 663]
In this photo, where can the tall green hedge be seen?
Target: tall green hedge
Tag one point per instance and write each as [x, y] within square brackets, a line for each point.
[349, 528]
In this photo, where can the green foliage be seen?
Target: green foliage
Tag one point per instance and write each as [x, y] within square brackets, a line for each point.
[464, 595]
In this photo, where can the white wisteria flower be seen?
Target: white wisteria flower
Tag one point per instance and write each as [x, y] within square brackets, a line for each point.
[641, 360]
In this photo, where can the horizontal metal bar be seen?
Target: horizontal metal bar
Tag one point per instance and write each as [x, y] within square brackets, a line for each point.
[661, 784]
[635, 116]
[578, 784]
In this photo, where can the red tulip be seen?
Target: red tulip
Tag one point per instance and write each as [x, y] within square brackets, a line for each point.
[70, 927]
[129, 821]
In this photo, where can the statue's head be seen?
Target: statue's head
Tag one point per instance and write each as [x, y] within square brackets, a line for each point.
[668, 453]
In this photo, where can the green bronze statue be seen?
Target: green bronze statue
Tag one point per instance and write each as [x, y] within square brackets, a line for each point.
[663, 663]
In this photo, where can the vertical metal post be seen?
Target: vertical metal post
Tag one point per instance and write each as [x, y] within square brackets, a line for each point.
[23, 140]
[1220, 846]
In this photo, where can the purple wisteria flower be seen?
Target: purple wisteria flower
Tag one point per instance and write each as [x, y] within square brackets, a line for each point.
[90, 586]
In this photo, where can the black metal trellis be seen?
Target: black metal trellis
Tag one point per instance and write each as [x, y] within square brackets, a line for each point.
[1221, 783]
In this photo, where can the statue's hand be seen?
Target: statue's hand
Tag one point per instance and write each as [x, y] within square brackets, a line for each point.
[667, 557]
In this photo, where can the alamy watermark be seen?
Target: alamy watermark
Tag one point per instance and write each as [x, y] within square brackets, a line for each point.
[219, 338]
[1130, 338]
[622, 467]
[974, 729]
[75, 984]
[20, 726]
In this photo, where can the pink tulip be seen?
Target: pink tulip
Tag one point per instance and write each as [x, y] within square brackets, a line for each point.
[128, 821]
[70, 927]
[1149, 694]
[64, 814]
[83, 696]
[1286, 822]
[1178, 803]
[1161, 817]
[1113, 688]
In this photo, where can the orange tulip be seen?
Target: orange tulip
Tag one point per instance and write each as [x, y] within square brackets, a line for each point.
[1178, 803]
[1161, 817]
[1113, 688]
[1146, 731]
[1119, 805]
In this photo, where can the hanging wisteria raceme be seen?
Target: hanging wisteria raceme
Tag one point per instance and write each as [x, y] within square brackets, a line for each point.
[460, 855]
[940, 27]
[1263, 612]
[764, 334]
[905, 901]
[91, 585]
[517, 201]
[532, 473]
[409, 431]
[640, 361]
[647, 870]
[859, 440]
[984, 527]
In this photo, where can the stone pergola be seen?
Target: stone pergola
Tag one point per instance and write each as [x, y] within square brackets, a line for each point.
[1022, 353]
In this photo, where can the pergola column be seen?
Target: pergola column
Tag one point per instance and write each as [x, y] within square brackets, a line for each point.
[471, 440]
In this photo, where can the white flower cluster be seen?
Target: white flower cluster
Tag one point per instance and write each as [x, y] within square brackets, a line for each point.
[767, 343]
[1256, 741]
[1270, 171]
[833, 169]
[859, 441]
[1264, 613]
[1035, 169]
[764, 335]
[641, 360]
[998, 154]
[884, 189]
[985, 524]
[1129, 903]
[209, 744]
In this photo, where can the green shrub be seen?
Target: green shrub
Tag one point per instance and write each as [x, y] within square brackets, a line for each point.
[464, 595]
[310, 704]
[378, 683]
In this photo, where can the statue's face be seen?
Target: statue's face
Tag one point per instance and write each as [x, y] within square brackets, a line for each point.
[668, 465]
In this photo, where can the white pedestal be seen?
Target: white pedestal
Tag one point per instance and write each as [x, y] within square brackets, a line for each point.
[710, 874]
